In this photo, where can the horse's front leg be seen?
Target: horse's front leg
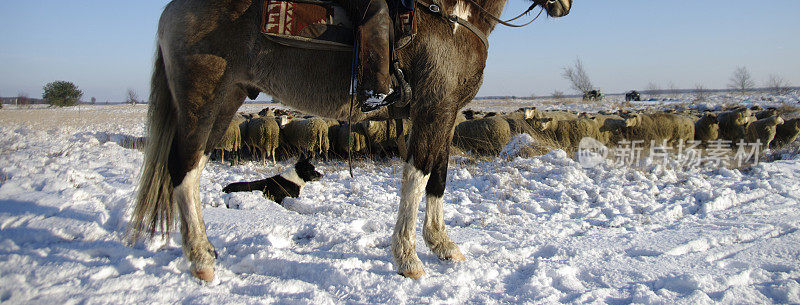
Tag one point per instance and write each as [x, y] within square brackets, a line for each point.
[405, 235]
[428, 148]
[434, 231]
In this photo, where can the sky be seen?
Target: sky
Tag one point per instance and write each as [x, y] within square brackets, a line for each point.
[106, 47]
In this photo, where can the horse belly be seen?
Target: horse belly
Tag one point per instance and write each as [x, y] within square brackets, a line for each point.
[315, 82]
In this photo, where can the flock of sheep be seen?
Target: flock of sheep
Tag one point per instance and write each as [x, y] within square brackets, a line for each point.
[564, 130]
[275, 133]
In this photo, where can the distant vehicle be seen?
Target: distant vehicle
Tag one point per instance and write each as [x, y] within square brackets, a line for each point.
[593, 95]
[633, 95]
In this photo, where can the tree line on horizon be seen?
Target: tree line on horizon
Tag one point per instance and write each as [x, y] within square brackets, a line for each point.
[64, 93]
[741, 81]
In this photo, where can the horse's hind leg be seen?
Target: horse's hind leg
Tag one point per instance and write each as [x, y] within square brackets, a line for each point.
[434, 231]
[196, 246]
[204, 99]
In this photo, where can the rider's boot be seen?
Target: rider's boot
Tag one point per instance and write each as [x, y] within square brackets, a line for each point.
[374, 78]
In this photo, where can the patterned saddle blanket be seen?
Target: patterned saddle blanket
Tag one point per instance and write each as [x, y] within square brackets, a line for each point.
[323, 25]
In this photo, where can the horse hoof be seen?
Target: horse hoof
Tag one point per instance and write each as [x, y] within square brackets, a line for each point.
[413, 274]
[448, 252]
[205, 274]
[456, 257]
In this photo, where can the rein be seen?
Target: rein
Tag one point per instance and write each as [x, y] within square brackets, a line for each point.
[507, 22]
[436, 9]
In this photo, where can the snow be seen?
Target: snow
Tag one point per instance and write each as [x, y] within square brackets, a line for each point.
[534, 230]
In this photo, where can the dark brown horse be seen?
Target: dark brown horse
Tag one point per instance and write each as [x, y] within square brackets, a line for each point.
[210, 56]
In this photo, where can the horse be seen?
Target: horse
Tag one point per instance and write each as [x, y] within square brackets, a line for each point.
[210, 57]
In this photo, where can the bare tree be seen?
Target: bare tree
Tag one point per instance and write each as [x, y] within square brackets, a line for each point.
[653, 89]
[673, 89]
[132, 98]
[558, 95]
[94, 100]
[23, 100]
[778, 84]
[700, 93]
[741, 80]
[577, 77]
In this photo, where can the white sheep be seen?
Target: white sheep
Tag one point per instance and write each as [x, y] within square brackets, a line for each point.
[262, 136]
[307, 136]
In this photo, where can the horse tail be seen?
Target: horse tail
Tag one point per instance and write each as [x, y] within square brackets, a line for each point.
[154, 208]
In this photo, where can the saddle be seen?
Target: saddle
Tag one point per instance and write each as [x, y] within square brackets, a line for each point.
[324, 25]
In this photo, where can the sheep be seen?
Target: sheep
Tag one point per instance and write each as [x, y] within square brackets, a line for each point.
[307, 136]
[386, 137]
[556, 115]
[469, 114]
[249, 116]
[354, 135]
[529, 112]
[706, 129]
[763, 130]
[262, 135]
[568, 134]
[518, 122]
[612, 127]
[732, 124]
[766, 113]
[786, 133]
[266, 112]
[460, 117]
[232, 139]
[658, 128]
[482, 136]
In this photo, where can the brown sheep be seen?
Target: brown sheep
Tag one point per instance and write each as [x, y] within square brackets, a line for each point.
[659, 127]
[518, 122]
[387, 137]
[706, 129]
[786, 133]
[232, 139]
[556, 115]
[766, 113]
[732, 124]
[266, 112]
[567, 134]
[482, 136]
[763, 130]
[612, 127]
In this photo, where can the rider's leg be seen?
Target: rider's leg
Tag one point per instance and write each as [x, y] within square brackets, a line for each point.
[374, 24]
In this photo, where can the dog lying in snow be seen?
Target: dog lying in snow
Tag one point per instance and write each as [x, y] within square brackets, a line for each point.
[287, 184]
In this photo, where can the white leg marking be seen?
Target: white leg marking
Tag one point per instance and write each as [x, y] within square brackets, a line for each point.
[435, 233]
[193, 230]
[463, 11]
[187, 197]
[404, 237]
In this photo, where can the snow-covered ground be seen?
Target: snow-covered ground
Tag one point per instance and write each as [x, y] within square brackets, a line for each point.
[534, 230]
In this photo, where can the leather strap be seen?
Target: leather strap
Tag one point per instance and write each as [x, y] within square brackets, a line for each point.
[437, 10]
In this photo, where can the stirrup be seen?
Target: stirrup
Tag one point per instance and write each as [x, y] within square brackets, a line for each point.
[397, 98]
